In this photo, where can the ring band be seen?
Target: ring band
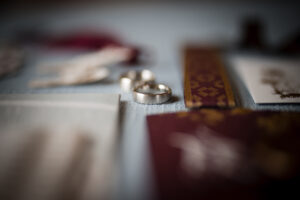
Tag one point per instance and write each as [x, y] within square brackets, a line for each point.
[132, 78]
[151, 93]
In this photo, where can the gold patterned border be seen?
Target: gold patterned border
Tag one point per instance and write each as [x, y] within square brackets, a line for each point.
[193, 100]
[228, 89]
[187, 86]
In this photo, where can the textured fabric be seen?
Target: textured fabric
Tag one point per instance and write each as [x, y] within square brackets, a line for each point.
[205, 80]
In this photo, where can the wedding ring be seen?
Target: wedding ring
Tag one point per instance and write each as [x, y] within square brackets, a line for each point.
[151, 93]
[132, 78]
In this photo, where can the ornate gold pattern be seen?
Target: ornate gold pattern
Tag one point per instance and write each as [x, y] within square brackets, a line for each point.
[205, 80]
[194, 84]
[221, 100]
[207, 91]
[218, 84]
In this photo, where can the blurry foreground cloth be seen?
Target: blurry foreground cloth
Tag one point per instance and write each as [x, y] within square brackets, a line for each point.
[226, 154]
[58, 146]
[98, 51]
[83, 69]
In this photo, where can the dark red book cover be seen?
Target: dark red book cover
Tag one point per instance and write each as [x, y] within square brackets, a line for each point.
[225, 154]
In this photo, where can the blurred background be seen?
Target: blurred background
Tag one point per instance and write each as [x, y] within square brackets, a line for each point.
[158, 24]
[54, 30]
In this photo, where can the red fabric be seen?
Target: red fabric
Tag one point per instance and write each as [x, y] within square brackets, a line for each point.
[90, 41]
[84, 40]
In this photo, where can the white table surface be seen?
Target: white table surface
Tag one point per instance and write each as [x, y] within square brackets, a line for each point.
[162, 29]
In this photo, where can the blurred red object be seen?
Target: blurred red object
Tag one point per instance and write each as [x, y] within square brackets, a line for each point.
[89, 41]
[81, 40]
[84, 40]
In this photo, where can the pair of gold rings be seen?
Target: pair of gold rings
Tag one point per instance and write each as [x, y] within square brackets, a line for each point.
[143, 87]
